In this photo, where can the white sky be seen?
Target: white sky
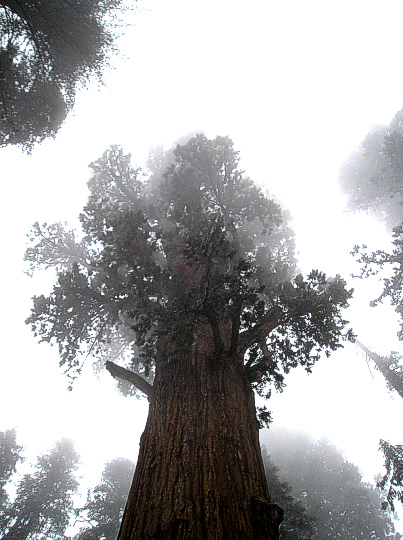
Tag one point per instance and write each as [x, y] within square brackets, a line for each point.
[296, 85]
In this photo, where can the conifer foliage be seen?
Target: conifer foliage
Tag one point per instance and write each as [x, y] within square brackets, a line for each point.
[329, 489]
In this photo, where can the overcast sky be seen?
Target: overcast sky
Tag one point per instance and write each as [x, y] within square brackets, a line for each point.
[296, 85]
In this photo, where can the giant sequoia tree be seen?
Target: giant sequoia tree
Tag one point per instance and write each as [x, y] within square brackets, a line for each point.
[47, 48]
[189, 278]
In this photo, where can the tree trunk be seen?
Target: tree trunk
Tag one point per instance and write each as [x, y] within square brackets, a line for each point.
[200, 473]
[395, 380]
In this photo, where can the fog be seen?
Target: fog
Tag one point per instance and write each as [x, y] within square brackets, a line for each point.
[296, 86]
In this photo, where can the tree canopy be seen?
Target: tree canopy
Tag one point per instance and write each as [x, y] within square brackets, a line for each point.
[158, 253]
[48, 48]
[297, 523]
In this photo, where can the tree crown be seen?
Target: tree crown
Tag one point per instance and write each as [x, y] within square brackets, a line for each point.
[197, 244]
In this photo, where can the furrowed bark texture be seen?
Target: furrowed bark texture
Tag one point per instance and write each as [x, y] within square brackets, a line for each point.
[200, 473]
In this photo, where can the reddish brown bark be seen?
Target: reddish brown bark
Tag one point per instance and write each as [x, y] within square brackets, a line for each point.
[200, 473]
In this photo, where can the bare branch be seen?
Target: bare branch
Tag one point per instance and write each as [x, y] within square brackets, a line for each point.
[262, 329]
[119, 372]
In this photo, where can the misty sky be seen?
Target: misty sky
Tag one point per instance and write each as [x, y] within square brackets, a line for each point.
[296, 85]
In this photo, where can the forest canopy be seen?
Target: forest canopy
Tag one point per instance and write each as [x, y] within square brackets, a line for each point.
[48, 49]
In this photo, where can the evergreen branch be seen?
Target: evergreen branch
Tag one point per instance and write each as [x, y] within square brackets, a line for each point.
[119, 372]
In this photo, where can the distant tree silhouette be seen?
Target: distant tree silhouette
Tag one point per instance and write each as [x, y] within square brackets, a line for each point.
[297, 523]
[47, 49]
[105, 504]
[330, 489]
[372, 176]
[44, 502]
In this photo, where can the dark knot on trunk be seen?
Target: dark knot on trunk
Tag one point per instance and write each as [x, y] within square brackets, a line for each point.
[266, 518]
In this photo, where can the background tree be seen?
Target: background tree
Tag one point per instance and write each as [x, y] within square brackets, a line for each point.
[47, 49]
[190, 277]
[43, 502]
[330, 489]
[10, 454]
[373, 174]
[373, 179]
[394, 472]
[297, 523]
[106, 502]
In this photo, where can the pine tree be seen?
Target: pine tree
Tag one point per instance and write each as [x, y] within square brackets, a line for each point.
[373, 179]
[106, 502]
[43, 502]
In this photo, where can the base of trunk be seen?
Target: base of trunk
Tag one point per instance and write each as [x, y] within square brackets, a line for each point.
[200, 472]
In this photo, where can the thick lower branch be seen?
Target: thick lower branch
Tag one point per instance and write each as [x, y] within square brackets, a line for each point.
[129, 376]
[260, 331]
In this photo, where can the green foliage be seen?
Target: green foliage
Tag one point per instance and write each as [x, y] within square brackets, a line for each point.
[197, 244]
[47, 49]
[105, 504]
[331, 489]
[44, 499]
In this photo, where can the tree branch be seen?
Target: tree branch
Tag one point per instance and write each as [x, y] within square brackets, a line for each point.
[260, 330]
[119, 372]
[391, 377]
